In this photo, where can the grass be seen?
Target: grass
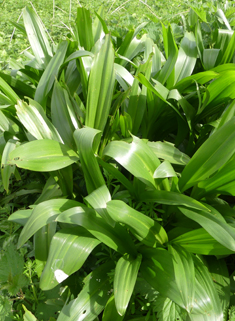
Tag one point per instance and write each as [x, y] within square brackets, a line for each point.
[118, 13]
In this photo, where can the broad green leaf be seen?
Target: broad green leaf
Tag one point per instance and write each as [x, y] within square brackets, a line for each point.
[229, 52]
[222, 16]
[187, 57]
[6, 169]
[84, 28]
[37, 37]
[164, 170]
[206, 304]
[50, 74]
[158, 270]
[28, 316]
[6, 124]
[42, 240]
[172, 198]
[220, 276]
[44, 213]
[213, 154]
[220, 91]
[110, 311]
[50, 190]
[184, 270]
[61, 118]
[214, 225]
[43, 156]
[200, 12]
[8, 91]
[228, 113]
[34, 119]
[167, 310]
[98, 199]
[199, 241]
[211, 58]
[21, 217]
[115, 237]
[123, 76]
[169, 152]
[137, 100]
[61, 261]
[93, 297]
[79, 54]
[143, 227]
[97, 25]
[100, 88]
[136, 157]
[222, 182]
[159, 90]
[87, 141]
[124, 286]
[201, 78]
[112, 169]
[171, 51]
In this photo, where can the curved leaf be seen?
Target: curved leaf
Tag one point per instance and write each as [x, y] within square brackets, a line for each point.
[69, 249]
[100, 88]
[44, 213]
[213, 154]
[124, 286]
[115, 237]
[214, 225]
[93, 297]
[199, 241]
[143, 227]
[87, 142]
[34, 119]
[136, 157]
[43, 155]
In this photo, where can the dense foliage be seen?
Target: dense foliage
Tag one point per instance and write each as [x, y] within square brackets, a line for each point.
[117, 158]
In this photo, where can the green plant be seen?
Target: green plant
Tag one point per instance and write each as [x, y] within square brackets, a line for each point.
[134, 153]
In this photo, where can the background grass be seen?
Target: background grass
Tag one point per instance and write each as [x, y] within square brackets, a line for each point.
[119, 15]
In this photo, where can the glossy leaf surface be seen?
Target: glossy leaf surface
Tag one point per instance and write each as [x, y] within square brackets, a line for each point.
[125, 276]
[42, 156]
[68, 251]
